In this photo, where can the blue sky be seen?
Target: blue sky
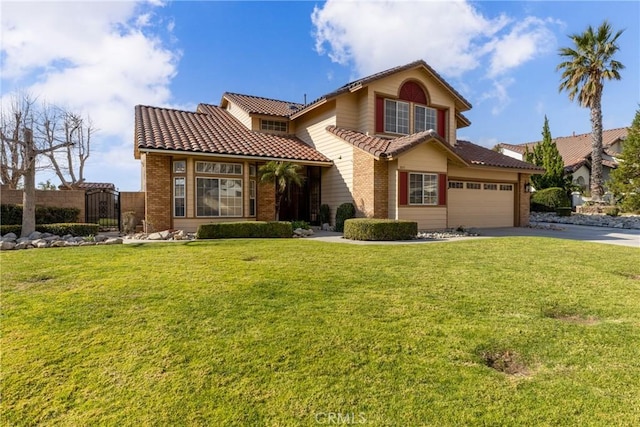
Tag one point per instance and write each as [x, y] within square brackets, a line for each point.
[103, 58]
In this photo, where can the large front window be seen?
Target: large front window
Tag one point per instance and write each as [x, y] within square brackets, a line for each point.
[423, 189]
[218, 197]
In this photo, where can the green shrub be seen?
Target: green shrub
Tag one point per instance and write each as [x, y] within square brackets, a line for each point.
[75, 229]
[12, 215]
[325, 214]
[344, 212]
[549, 199]
[300, 224]
[379, 229]
[245, 229]
[611, 210]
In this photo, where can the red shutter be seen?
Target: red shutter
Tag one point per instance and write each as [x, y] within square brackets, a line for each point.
[403, 191]
[442, 124]
[379, 114]
[442, 189]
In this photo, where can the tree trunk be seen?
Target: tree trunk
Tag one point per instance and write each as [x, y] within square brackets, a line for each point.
[29, 191]
[596, 149]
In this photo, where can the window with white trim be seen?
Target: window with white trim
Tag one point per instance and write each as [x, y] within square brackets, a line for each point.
[216, 168]
[423, 189]
[474, 186]
[273, 125]
[218, 197]
[506, 187]
[424, 118]
[456, 184]
[179, 193]
[179, 166]
[490, 186]
[396, 116]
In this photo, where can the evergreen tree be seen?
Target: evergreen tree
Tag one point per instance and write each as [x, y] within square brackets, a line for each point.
[546, 155]
[625, 180]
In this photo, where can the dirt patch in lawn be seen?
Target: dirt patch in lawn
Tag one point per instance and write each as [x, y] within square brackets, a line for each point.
[570, 314]
[507, 361]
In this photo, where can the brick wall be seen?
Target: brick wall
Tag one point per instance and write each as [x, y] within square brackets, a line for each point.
[53, 198]
[523, 202]
[266, 201]
[158, 192]
[132, 201]
[370, 185]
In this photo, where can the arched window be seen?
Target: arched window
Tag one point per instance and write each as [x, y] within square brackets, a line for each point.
[409, 113]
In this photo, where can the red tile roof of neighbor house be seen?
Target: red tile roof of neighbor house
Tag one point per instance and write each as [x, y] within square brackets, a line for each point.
[258, 105]
[576, 149]
[213, 130]
[467, 152]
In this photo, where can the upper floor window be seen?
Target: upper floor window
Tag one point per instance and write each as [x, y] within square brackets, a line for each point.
[396, 116]
[273, 125]
[179, 166]
[424, 118]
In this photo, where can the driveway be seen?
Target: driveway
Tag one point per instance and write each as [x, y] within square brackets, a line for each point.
[613, 236]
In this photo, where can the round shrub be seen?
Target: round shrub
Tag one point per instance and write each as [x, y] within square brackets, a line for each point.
[549, 199]
[325, 214]
[379, 229]
[345, 211]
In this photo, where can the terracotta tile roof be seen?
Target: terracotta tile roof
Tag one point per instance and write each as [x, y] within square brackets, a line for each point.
[213, 130]
[257, 105]
[576, 149]
[369, 79]
[481, 156]
[386, 147]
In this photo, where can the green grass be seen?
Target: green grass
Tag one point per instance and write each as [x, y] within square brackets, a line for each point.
[284, 332]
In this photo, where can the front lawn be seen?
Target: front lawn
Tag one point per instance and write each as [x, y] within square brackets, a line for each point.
[294, 332]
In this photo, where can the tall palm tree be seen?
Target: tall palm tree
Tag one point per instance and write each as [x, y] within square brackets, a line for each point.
[283, 174]
[585, 67]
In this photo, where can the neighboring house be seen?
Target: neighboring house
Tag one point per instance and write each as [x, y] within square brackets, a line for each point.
[386, 143]
[576, 153]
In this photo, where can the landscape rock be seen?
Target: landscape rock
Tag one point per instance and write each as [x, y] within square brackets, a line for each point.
[594, 220]
[24, 245]
[100, 238]
[9, 237]
[113, 241]
[58, 244]
[6, 245]
[35, 235]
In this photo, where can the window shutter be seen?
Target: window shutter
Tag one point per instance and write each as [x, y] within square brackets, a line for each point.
[442, 123]
[403, 191]
[442, 189]
[379, 114]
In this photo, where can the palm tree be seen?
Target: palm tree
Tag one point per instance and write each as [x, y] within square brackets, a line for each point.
[282, 174]
[587, 64]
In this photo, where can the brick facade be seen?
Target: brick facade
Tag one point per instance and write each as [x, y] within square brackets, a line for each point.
[370, 185]
[266, 202]
[157, 180]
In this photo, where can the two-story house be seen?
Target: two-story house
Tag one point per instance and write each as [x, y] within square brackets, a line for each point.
[576, 153]
[386, 143]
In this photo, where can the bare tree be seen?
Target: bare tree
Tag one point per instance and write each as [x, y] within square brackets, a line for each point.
[59, 126]
[21, 149]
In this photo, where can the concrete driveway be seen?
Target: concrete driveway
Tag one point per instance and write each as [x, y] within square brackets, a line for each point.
[612, 236]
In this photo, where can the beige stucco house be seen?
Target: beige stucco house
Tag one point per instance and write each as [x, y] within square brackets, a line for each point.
[576, 153]
[386, 143]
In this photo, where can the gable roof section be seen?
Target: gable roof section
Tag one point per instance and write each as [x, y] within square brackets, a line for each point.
[576, 149]
[357, 84]
[481, 156]
[384, 148]
[212, 130]
[265, 106]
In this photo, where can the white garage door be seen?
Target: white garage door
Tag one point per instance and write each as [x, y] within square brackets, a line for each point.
[480, 204]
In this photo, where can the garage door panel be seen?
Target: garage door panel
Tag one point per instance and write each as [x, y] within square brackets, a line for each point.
[482, 207]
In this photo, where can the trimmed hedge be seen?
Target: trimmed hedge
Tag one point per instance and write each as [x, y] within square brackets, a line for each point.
[325, 214]
[75, 229]
[549, 199]
[379, 229]
[245, 229]
[12, 215]
[344, 212]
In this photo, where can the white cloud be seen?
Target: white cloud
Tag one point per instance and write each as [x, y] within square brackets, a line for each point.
[452, 36]
[499, 94]
[96, 58]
